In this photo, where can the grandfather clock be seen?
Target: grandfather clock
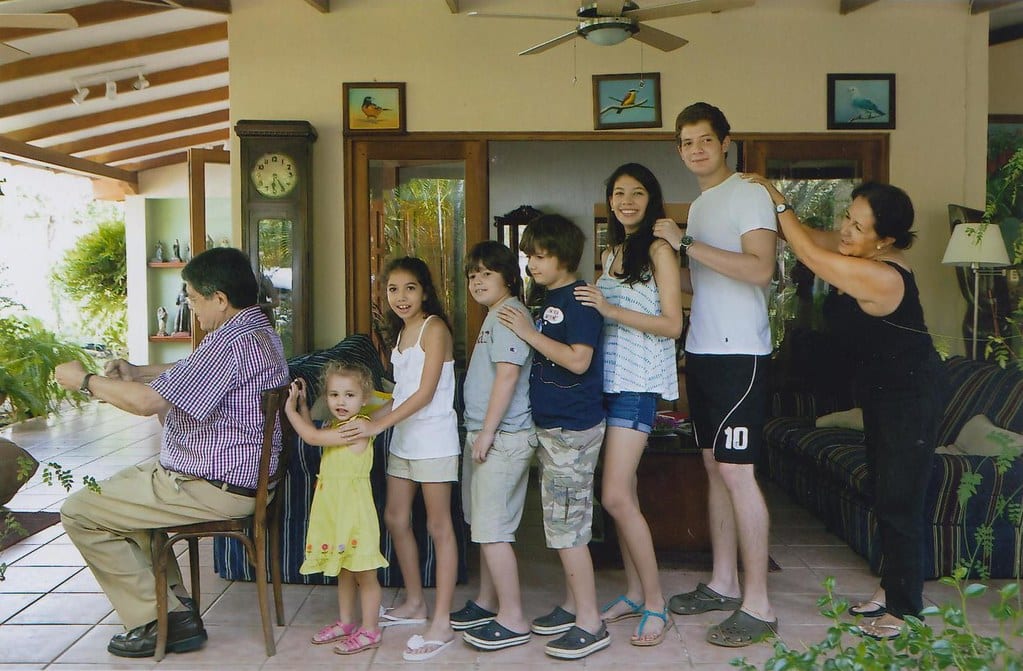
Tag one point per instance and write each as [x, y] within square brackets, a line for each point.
[277, 200]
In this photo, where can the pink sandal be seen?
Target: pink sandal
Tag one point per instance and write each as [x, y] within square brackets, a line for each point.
[333, 632]
[362, 639]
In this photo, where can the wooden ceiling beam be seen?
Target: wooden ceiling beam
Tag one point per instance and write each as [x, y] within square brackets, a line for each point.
[115, 51]
[158, 162]
[89, 15]
[172, 76]
[219, 6]
[143, 132]
[88, 121]
[981, 6]
[52, 159]
[140, 150]
[321, 5]
[850, 6]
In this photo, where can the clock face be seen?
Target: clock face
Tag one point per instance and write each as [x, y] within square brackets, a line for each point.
[274, 175]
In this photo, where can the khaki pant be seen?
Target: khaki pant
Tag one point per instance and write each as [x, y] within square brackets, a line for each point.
[112, 530]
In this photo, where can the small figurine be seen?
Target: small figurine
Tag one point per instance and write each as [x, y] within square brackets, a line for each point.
[183, 320]
[176, 258]
[158, 257]
[161, 321]
[224, 242]
[209, 242]
[187, 256]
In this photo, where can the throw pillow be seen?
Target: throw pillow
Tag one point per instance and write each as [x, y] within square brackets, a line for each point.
[982, 438]
[845, 419]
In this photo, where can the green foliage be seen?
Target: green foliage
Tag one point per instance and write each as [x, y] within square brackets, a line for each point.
[920, 646]
[1004, 206]
[94, 273]
[956, 644]
[28, 355]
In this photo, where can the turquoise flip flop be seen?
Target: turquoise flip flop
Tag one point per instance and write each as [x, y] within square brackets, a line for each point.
[636, 610]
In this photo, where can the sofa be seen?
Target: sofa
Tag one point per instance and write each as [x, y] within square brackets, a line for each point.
[297, 489]
[824, 469]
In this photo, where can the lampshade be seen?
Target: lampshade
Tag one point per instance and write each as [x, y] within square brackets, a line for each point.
[607, 31]
[964, 248]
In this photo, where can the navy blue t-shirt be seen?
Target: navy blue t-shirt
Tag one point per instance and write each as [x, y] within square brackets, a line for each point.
[559, 397]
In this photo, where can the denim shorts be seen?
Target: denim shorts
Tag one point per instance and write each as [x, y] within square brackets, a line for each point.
[631, 410]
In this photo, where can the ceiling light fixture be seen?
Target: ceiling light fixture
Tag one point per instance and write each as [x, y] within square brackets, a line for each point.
[109, 80]
[608, 30]
[80, 95]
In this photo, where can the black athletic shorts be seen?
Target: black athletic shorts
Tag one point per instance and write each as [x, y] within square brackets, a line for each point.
[728, 403]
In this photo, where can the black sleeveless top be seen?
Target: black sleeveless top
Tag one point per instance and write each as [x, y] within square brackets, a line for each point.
[882, 351]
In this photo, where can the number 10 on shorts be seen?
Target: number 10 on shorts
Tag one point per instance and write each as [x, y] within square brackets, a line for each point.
[736, 437]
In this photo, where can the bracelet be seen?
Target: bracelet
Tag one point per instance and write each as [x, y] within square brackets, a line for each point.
[85, 384]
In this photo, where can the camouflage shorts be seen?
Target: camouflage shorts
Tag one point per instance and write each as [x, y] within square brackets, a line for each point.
[567, 460]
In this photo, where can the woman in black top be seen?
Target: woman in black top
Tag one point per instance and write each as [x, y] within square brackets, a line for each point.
[874, 313]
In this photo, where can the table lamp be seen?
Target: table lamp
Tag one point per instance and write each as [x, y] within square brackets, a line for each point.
[976, 245]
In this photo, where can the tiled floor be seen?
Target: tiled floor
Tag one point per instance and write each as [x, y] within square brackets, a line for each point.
[54, 616]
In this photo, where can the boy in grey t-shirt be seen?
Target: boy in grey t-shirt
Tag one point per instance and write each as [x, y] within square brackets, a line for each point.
[495, 466]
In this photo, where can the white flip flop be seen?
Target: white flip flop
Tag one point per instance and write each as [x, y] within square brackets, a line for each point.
[393, 620]
[416, 641]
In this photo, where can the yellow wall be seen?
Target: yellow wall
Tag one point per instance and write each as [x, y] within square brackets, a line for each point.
[765, 66]
[1006, 95]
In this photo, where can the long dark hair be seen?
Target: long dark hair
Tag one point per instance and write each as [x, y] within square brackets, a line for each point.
[635, 247]
[431, 300]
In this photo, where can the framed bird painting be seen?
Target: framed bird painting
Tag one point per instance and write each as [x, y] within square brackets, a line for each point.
[861, 101]
[627, 101]
[373, 107]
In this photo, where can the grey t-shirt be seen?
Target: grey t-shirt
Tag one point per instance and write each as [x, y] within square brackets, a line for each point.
[497, 344]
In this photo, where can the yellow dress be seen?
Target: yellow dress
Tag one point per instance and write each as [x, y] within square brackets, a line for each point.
[344, 532]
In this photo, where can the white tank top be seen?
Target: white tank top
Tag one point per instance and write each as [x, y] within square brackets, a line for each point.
[432, 432]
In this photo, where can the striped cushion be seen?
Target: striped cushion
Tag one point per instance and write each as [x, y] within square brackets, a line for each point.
[826, 470]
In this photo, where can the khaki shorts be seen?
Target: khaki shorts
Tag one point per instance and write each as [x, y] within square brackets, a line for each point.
[442, 469]
[568, 459]
[494, 492]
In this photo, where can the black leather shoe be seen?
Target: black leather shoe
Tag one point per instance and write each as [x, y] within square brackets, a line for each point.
[185, 633]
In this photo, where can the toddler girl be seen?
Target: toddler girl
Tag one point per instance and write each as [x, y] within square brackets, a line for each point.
[343, 538]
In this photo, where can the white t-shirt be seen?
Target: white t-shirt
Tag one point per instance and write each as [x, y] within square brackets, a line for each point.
[729, 316]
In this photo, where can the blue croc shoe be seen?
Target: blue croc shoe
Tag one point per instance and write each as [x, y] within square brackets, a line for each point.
[469, 616]
[494, 636]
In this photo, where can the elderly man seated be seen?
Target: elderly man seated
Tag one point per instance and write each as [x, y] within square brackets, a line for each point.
[209, 403]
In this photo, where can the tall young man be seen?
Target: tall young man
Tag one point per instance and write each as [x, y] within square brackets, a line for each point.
[730, 243]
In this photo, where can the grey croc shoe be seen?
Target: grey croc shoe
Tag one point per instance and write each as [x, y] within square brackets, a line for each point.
[701, 600]
[577, 643]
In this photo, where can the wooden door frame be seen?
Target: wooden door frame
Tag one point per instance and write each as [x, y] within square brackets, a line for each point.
[358, 153]
[871, 149]
[197, 160]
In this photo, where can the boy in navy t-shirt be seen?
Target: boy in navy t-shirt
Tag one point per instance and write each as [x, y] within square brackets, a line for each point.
[565, 391]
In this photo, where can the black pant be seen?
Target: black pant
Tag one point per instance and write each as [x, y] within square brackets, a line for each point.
[901, 427]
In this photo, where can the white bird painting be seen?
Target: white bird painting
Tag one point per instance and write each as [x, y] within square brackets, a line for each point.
[864, 108]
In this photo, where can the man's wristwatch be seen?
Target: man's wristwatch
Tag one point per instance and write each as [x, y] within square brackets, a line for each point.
[781, 207]
[685, 242]
[85, 384]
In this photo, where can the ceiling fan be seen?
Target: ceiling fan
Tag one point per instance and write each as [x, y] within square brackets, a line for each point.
[10, 53]
[609, 22]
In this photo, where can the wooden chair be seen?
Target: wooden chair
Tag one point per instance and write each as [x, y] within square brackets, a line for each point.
[251, 531]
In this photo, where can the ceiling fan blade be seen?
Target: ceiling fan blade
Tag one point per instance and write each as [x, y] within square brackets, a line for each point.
[500, 15]
[9, 54]
[40, 21]
[544, 46]
[685, 7]
[610, 7]
[659, 39]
